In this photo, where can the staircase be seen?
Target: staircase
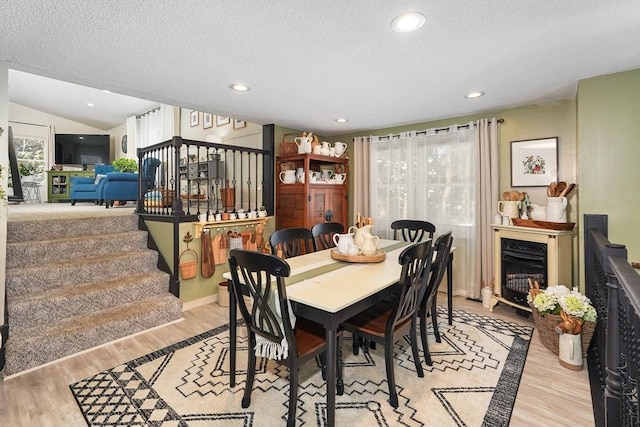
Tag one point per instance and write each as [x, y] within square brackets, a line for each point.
[75, 283]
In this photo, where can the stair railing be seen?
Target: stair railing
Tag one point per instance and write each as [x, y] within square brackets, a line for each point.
[193, 178]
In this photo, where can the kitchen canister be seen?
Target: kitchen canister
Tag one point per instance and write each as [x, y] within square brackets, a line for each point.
[557, 209]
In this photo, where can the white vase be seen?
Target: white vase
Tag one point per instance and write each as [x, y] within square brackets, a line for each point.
[570, 351]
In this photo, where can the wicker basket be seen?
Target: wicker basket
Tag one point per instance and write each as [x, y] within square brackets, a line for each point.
[188, 269]
[545, 324]
[287, 146]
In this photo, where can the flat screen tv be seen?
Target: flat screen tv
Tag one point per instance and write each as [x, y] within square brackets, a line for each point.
[81, 149]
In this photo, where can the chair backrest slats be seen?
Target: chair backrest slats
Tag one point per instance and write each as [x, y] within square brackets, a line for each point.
[291, 242]
[323, 234]
[442, 248]
[416, 262]
[260, 276]
[412, 230]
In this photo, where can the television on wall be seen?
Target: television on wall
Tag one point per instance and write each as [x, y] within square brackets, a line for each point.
[81, 149]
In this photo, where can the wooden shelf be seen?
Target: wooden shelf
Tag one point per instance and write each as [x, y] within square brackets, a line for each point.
[198, 226]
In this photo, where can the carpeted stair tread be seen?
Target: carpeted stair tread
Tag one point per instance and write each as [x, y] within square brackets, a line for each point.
[20, 281]
[34, 230]
[35, 346]
[21, 254]
[35, 308]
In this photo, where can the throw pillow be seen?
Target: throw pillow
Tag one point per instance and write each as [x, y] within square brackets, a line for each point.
[98, 178]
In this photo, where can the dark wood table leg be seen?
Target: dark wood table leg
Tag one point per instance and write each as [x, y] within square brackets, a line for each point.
[331, 360]
[233, 312]
[450, 288]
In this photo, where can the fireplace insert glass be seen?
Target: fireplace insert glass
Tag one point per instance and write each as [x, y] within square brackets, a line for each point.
[522, 260]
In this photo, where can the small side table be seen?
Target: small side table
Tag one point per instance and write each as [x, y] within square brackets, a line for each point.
[31, 192]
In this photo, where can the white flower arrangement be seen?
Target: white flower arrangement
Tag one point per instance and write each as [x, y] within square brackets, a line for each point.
[556, 299]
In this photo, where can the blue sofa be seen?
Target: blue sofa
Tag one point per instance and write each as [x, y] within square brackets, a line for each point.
[86, 189]
[123, 186]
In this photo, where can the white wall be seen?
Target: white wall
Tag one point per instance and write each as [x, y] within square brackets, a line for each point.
[4, 161]
[249, 136]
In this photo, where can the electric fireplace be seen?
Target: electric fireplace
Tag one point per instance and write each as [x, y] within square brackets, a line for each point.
[521, 253]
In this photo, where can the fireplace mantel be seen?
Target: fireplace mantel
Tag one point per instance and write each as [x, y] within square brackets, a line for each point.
[559, 256]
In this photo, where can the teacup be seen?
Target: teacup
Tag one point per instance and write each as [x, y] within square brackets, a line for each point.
[218, 217]
[262, 214]
[242, 215]
[340, 177]
[202, 217]
[253, 214]
[233, 216]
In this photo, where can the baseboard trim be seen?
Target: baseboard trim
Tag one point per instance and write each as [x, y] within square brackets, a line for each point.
[35, 368]
[186, 306]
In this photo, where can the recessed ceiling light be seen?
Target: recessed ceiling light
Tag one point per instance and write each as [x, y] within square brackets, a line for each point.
[407, 22]
[240, 87]
[90, 104]
[475, 94]
[341, 120]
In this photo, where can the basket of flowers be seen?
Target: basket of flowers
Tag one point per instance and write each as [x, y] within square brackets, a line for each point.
[548, 306]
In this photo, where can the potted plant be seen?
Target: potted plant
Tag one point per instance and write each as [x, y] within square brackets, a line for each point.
[125, 165]
[27, 171]
[262, 211]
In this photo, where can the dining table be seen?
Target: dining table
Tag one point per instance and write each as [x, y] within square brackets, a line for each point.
[328, 291]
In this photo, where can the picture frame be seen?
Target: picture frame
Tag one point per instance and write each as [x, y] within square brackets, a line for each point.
[207, 120]
[534, 162]
[221, 121]
[194, 118]
[239, 124]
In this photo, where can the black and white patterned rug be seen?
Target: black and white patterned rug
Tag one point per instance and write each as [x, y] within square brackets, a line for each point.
[473, 382]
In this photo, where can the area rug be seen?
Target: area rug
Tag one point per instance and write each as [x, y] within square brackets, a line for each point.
[473, 382]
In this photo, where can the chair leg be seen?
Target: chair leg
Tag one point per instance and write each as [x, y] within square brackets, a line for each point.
[427, 355]
[323, 365]
[434, 321]
[388, 363]
[251, 371]
[355, 346]
[293, 392]
[423, 330]
[414, 349]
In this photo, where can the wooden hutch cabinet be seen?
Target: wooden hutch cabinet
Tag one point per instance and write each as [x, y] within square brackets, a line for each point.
[303, 204]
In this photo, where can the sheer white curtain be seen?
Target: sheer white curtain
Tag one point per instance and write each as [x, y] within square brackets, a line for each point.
[150, 128]
[429, 175]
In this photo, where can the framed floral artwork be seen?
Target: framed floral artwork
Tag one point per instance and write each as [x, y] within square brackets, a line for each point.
[239, 124]
[221, 121]
[207, 120]
[194, 118]
[534, 162]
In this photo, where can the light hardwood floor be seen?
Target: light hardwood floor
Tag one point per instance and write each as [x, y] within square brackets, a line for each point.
[548, 395]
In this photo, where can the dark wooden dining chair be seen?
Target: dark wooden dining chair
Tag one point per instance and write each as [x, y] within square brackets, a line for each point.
[411, 230]
[388, 321]
[262, 278]
[323, 234]
[442, 248]
[290, 242]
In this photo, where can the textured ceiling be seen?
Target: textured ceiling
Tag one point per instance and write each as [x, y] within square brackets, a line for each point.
[309, 62]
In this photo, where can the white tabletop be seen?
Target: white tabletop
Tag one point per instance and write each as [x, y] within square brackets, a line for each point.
[343, 287]
[334, 290]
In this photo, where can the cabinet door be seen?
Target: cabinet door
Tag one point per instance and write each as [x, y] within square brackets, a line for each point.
[327, 204]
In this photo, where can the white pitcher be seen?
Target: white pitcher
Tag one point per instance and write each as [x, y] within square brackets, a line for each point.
[370, 245]
[343, 241]
[570, 351]
[557, 209]
[361, 233]
[304, 144]
[288, 176]
[341, 147]
[509, 208]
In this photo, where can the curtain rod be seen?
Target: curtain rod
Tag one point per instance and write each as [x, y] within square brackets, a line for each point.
[30, 124]
[153, 110]
[423, 132]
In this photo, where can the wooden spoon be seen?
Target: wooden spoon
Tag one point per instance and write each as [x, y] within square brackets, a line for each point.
[506, 196]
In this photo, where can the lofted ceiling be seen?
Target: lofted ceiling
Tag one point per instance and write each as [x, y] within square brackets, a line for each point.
[308, 62]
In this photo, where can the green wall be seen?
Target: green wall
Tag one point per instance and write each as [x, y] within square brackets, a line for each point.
[609, 154]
